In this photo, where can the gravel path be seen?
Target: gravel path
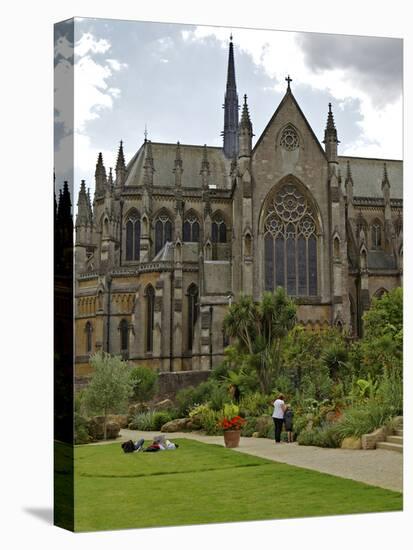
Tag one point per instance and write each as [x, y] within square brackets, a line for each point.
[377, 467]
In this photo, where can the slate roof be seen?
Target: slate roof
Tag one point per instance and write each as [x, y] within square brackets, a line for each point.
[368, 175]
[164, 158]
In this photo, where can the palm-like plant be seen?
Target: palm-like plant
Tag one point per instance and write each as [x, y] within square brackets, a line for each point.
[260, 329]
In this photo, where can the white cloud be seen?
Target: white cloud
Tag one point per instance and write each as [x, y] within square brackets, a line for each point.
[63, 47]
[88, 43]
[92, 96]
[279, 54]
[116, 65]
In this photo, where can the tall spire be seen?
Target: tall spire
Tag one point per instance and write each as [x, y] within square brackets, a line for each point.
[89, 203]
[110, 180]
[349, 175]
[65, 203]
[178, 166]
[120, 166]
[330, 137]
[83, 212]
[385, 180]
[100, 177]
[245, 131]
[205, 168]
[230, 132]
[148, 165]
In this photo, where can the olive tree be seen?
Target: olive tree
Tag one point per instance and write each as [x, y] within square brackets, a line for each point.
[110, 387]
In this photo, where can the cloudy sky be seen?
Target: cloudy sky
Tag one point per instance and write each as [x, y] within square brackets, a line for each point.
[171, 78]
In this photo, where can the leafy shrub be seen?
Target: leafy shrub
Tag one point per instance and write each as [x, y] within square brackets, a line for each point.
[390, 391]
[270, 434]
[187, 398]
[218, 397]
[283, 384]
[250, 427]
[300, 424]
[81, 430]
[145, 383]
[362, 420]
[255, 404]
[143, 421]
[206, 417]
[325, 436]
[229, 410]
[160, 418]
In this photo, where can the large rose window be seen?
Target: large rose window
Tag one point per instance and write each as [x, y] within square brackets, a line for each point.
[290, 243]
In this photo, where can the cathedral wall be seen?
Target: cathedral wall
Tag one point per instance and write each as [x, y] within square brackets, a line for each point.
[382, 282]
[270, 164]
[217, 277]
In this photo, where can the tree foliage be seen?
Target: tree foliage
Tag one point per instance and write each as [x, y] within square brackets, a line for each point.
[382, 345]
[110, 386]
[145, 383]
[260, 329]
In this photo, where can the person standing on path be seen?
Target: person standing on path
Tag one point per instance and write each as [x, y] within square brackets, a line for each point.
[278, 417]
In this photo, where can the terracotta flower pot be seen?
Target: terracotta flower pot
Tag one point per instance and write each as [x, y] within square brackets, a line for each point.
[231, 438]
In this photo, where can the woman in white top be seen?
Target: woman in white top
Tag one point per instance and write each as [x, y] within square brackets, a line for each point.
[278, 417]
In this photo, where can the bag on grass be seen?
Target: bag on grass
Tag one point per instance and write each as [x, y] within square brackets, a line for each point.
[128, 446]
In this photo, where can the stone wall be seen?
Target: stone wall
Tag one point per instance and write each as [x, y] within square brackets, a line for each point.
[171, 382]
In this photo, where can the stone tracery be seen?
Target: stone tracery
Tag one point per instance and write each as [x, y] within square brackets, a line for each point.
[290, 236]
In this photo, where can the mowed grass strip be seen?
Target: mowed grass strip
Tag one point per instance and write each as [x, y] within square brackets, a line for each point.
[203, 483]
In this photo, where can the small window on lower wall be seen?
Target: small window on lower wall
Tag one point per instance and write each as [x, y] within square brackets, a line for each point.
[150, 317]
[192, 313]
[88, 330]
[124, 335]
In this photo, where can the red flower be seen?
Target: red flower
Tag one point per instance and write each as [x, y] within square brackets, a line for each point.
[234, 423]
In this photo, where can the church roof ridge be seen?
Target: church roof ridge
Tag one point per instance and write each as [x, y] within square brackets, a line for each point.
[379, 159]
[289, 95]
[201, 145]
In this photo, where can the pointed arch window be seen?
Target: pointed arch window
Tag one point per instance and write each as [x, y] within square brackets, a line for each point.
[191, 229]
[150, 317]
[88, 330]
[361, 226]
[193, 307]
[133, 237]
[376, 235]
[290, 243]
[124, 335]
[163, 231]
[289, 138]
[219, 230]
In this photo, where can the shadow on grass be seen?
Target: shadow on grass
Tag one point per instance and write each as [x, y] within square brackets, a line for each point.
[170, 472]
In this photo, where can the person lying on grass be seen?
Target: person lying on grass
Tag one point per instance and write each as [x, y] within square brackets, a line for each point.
[159, 443]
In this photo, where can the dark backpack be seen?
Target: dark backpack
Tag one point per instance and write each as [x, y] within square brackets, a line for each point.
[128, 446]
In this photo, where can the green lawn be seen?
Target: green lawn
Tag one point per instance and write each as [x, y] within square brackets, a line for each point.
[202, 483]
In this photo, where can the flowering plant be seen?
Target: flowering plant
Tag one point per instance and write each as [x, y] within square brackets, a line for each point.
[234, 423]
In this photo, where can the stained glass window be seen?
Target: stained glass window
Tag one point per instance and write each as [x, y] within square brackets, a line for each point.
[133, 238]
[124, 340]
[88, 329]
[191, 230]
[376, 235]
[290, 244]
[192, 313]
[289, 138]
[163, 232]
[219, 230]
[150, 316]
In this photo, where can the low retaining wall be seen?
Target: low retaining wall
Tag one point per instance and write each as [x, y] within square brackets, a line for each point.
[369, 441]
[171, 382]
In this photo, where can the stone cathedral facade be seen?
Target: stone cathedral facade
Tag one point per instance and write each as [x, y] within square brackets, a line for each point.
[179, 231]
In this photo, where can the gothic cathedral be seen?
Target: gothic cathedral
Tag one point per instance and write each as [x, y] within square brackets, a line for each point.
[181, 230]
